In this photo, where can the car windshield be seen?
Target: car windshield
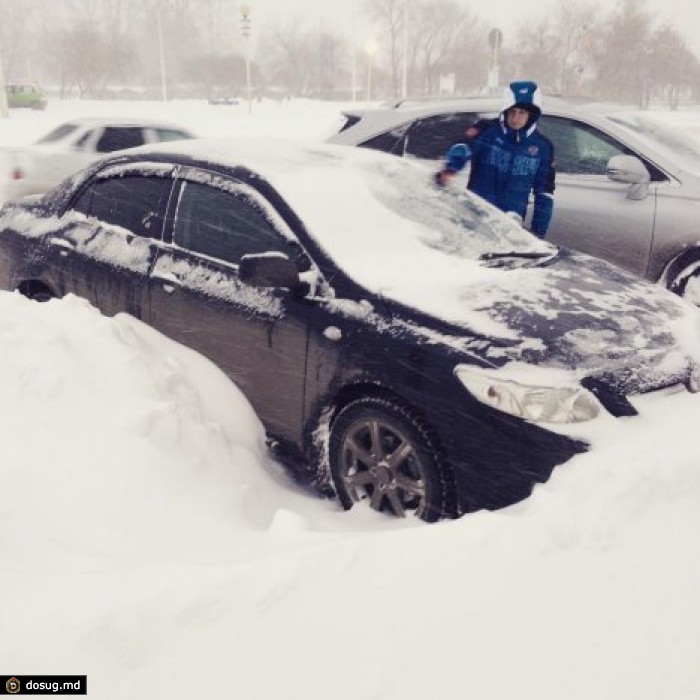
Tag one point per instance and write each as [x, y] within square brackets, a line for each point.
[59, 133]
[388, 226]
[452, 221]
[674, 144]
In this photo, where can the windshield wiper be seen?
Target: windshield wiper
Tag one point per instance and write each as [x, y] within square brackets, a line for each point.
[511, 258]
[529, 255]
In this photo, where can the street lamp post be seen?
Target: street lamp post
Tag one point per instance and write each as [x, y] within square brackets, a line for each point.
[4, 111]
[164, 90]
[354, 72]
[404, 67]
[371, 49]
[245, 31]
[353, 34]
[495, 42]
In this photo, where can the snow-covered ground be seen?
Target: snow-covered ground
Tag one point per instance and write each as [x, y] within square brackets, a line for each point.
[148, 541]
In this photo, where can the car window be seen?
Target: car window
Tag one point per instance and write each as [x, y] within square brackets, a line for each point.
[134, 202]
[170, 134]
[431, 137]
[427, 138]
[115, 138]
[580, 148]
[82, 142]
[223, 225]
[389, 142]
[58, 133]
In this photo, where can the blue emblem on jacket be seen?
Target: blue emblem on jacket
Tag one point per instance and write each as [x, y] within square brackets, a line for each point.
[507, 164]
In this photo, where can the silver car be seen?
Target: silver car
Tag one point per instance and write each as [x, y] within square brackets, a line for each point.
[628, 186]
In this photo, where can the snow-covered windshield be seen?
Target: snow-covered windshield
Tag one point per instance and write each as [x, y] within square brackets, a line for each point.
[447, 220]
[675, 144]
[388, 226]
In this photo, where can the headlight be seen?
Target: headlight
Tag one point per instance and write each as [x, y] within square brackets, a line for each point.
[539, 404]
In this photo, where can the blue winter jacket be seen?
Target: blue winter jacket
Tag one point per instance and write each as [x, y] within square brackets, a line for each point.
[506, 165]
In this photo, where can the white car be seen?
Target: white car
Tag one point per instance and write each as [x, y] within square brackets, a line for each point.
[37, 168]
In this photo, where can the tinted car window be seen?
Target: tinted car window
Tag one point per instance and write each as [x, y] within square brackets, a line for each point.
[579, 148]
[137, 203]
[389, 142]
[431, 137]
[115, 138]
[223, 225]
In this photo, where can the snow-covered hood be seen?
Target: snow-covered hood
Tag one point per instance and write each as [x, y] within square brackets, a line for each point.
[575, 312]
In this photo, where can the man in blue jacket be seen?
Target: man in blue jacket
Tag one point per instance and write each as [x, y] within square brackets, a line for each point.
[510, 158]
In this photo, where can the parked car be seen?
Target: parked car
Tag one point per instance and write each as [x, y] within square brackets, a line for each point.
[407, 346]
[220, 97]
[25, 93]
[628, 187]
[71, 146]
[223, 100]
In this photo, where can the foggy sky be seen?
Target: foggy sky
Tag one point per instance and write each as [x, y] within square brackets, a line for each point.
[684, 15]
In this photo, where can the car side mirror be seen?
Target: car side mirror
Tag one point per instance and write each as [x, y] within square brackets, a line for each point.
[630, 170]
[268, 270]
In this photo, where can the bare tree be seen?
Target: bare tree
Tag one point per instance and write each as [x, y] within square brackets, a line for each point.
[18, 19]
[471, 56]
[623, 57]
[86, 59]
[442, 26]
[390, 16]
[674, 67]
[557, 48]
[300, 60]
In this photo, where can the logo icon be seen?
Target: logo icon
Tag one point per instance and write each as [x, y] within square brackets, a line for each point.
[533, 150]
[12, 686]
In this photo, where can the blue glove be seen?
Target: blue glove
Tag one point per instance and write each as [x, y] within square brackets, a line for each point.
[457, 157]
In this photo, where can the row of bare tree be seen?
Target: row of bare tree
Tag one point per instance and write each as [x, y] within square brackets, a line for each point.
[102, 48]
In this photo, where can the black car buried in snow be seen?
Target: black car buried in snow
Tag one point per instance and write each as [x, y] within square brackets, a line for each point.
[402, 344]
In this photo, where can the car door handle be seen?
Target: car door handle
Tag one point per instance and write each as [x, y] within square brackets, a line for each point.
[333, 333]
[65, 245]
[169, 283]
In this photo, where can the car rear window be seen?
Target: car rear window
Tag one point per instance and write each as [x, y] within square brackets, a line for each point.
[349, 120]
[60, 132]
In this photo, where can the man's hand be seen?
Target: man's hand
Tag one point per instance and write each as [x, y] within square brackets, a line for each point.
[443, 177]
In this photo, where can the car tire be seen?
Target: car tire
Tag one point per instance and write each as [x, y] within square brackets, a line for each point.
[686, 285]
[382, 452]
[36, 291]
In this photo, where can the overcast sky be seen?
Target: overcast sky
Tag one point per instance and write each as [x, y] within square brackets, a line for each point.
[683, 14]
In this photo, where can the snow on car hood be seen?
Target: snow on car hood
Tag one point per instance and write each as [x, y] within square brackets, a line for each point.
[577, 311]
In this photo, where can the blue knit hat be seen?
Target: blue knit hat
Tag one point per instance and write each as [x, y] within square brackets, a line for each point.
[524, 94]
